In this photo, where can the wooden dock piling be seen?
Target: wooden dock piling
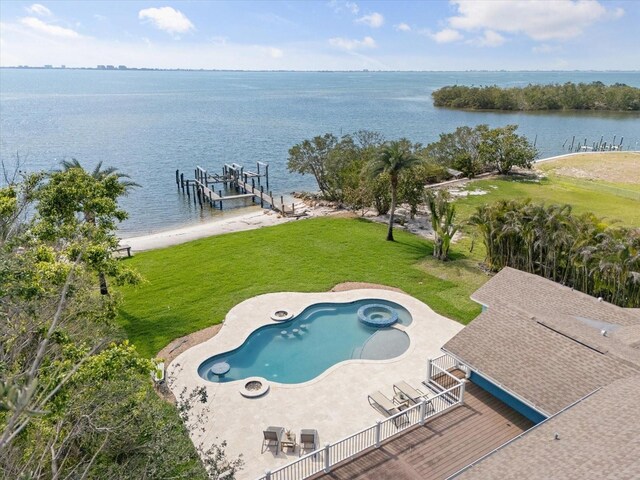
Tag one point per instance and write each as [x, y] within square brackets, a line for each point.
[234, 177]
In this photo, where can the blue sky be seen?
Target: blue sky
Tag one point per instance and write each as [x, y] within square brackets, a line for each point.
[324, 35]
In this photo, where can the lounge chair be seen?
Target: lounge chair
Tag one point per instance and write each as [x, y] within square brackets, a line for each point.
[379, 401]
[412, 394]
[308, 440]
[404, 390]
[272, 435]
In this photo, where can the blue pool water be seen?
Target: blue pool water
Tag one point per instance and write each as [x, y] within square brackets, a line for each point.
[302, 348]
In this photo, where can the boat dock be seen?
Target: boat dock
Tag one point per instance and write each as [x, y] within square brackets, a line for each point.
[234, 178]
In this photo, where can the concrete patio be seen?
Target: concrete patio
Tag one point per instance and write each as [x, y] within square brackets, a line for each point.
[334, 403]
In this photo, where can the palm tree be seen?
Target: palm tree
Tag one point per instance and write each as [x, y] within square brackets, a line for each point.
[103, 176]
[443, 214]
[394, 158]
[100, 174]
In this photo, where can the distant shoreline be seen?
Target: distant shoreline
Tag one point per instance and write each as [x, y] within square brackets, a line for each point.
[537, 97]
[157, 69]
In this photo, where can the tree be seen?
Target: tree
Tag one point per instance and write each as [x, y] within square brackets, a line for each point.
[503, 149]
[443, 215]
[460, 150]
[550, 241]
[394, 158]
[75, 204]
[358, 190]
[73, 403]
[15, 198]
[570, 96]
[312, 156]
[412, 183]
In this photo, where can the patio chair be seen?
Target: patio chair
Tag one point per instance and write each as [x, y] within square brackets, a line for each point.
[272, 435]
[414, 395]
[381, 402]
[308, 440]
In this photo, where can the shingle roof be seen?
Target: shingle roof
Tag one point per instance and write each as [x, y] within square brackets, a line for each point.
[599, 437]
[542, 341]
[531, 292]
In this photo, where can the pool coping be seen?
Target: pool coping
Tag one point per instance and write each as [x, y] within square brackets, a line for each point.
[335, 402]
[238, 311]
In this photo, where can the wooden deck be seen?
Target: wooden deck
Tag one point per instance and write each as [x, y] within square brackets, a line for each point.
[441, 447]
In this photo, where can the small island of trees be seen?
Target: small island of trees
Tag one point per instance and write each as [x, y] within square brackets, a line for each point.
[567, 96]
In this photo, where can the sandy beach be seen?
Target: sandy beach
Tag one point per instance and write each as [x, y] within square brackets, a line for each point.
[258, 217]
[246, 221]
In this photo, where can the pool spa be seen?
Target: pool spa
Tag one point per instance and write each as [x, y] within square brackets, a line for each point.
[322, 335]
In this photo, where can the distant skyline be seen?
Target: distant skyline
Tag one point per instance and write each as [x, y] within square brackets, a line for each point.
[324, 35]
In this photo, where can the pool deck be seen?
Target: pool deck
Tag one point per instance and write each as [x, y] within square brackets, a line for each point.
[334, 403]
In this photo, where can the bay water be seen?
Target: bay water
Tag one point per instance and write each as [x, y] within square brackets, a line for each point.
[150, 123]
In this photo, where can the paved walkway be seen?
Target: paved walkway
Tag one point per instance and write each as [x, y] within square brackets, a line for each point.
[334, 403]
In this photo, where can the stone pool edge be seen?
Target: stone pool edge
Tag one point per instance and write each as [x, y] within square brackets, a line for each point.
[247, 316]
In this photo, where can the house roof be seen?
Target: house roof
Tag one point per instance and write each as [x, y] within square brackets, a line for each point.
[543, 342]
[598, 437]
[531, 292]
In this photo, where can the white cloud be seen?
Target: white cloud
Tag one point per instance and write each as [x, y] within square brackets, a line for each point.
[446, 35]
[53, 30]
[539, 20]
[352, 44]
[339, 7]
[545, 48]
[374, 20]
[402, 27]
[167, 19]
[220, 40]
[352, 7]
[22, 45]
[38, 9]
[489, 39]
[274, 52]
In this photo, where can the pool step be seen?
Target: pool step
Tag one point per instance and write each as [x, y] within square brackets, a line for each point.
[323, 310]
[357, 352]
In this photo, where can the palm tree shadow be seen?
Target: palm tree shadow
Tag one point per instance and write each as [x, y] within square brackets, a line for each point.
[420, 249]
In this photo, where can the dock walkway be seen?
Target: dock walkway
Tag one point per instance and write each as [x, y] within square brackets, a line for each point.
[247, 184]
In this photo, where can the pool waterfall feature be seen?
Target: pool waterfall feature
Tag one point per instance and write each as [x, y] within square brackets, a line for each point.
[322, 335]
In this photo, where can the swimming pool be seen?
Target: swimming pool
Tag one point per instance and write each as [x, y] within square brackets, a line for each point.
[302, 348]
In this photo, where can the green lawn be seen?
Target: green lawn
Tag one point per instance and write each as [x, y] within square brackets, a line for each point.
[617, 203]
[191, 286]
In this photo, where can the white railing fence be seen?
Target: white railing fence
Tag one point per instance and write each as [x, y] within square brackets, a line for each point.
[323, 459]
[439, 377]
[447, 362]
